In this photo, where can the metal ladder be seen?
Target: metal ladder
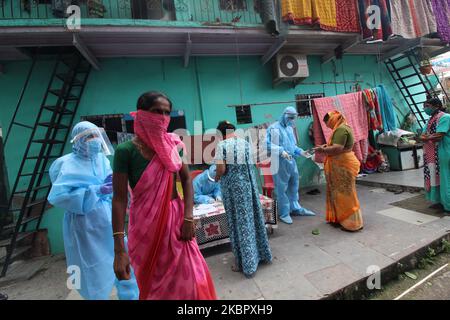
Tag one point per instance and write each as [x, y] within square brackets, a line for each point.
[405, 71]
[49, 134]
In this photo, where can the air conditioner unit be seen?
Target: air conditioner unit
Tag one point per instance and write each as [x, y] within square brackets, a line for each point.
[290, 68]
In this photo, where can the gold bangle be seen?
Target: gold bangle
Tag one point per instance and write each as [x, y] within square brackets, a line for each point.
[189, 220]
[119, 234]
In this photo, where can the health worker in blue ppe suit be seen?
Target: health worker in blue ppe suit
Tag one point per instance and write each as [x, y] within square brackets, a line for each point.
[82, 186]
[206, 189]
[283, 148]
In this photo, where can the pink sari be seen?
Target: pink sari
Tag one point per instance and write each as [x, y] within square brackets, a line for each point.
[166, 267]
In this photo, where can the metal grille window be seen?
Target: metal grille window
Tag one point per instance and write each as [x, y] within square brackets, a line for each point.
[244, 114]
[233, 5]
[304, 108]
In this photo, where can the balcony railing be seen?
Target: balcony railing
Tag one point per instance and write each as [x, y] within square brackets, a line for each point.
[203, 11]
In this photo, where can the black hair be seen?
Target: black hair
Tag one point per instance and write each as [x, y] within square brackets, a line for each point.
[148, 99]
[326, 118]
[225, 127]
[435, 102]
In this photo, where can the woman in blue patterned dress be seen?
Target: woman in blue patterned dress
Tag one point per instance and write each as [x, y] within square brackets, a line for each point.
[240, 195]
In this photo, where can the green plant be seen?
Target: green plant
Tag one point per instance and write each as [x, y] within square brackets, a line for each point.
[445, 246]
[425, 60]
[431, 253]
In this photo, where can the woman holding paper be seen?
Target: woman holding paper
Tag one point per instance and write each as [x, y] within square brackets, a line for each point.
[341, 169]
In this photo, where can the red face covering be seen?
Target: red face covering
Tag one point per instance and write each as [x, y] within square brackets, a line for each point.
[151, 129]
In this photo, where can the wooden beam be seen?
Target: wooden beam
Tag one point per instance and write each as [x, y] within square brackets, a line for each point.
[274, 49]
[187, 51]
[350, 43]
[84, 50]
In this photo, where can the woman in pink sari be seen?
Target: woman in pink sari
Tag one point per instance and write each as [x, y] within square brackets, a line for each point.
[161, 234]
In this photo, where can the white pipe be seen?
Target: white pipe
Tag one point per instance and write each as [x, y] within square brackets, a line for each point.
[420, 283]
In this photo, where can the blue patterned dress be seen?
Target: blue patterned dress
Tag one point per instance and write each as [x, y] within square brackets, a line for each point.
[246, 224]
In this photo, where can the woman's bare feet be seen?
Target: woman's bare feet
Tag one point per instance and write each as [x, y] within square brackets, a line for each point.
[235, 268]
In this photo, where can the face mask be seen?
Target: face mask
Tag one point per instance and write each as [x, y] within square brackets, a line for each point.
[151, 128]
[94, 146]
[290, 120]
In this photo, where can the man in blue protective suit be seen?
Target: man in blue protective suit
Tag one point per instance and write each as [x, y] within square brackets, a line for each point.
[206, 189]
[82, 186]
[283, 148]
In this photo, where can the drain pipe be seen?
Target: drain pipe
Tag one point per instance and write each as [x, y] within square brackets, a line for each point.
[200, 94]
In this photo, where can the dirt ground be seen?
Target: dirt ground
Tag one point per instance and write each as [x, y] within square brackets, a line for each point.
[436, 288]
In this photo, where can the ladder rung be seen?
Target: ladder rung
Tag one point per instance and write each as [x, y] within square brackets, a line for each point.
[416, 94]
[23, 125]
[20, 236]
[35, 203]
[43, 157]
[24, 221]
[58, 110]
[412, 85]
[59, 93]
[67, 77]
[398, 59]
[407, 77]
[33, 189]
[49, 141]
[54, 125]
[403, 68]
[31, 173]
[17, 253]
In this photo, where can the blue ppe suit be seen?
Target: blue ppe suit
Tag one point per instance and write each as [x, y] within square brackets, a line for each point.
[206, 190]
[77, 179]
[281, 140]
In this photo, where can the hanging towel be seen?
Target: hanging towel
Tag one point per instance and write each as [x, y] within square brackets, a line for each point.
[352, 107]
[413, 18]
[442, 11]
[382, 31]
[387, 109]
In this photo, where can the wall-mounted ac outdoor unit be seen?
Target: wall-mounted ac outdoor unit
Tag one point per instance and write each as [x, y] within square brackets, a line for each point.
[290, 68]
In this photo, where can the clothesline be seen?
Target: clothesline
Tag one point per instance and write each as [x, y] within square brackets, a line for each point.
[284, 102]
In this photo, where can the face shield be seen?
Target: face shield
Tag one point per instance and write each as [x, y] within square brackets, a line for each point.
[93, 141]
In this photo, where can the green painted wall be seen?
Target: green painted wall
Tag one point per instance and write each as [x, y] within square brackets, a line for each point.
[203, 90]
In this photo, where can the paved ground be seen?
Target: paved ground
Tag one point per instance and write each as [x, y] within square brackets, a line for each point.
[409, 178]
[305, 266]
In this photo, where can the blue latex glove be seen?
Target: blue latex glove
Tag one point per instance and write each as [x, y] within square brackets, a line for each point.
[106, 188]
[109, 179]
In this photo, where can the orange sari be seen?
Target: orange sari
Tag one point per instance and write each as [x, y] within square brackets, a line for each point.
[341, 171]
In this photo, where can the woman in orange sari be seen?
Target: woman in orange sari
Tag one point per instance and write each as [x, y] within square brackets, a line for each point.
[341, 169]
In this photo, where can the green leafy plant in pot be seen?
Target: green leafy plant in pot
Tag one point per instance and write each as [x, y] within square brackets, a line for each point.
[426, 66]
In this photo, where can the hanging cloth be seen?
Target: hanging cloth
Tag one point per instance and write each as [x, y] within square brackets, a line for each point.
[384, 30]
[373, 110]
[351, 106]
[442, 11]
[413, 18]
[387, 109]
